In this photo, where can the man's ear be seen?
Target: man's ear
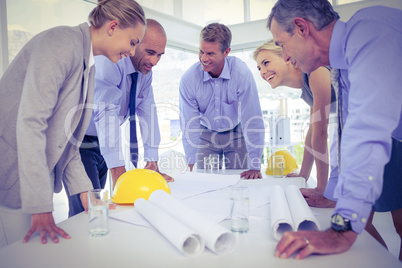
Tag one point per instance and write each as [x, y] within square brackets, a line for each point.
[226, 52]
[301, 26]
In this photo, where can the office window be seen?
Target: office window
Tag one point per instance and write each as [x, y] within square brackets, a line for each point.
[166, 80]
[163, 6]
[260, 9]
[207, 11]
[26, 18]
[341, 2]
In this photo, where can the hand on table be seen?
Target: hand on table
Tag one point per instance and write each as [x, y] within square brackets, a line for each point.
[315, 198]
[167, 177]
[84, 201]
[251, 174]
[293, 174]
[44, 224]
[305, 243]
[154, 166]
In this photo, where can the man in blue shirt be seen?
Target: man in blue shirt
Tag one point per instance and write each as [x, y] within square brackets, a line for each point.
[219, 107]
[102, 147]
[366, 50]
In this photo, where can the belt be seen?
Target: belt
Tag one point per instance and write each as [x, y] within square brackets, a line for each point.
[226, 131]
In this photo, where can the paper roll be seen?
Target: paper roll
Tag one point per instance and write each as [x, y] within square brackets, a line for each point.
[290, 211]
[281, 218]
[217, 238]
[181, 236]
[303, 218]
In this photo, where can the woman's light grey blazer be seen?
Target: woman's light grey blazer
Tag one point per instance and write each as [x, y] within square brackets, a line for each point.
[45, 109]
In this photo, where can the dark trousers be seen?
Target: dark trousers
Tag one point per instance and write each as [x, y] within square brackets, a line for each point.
[391, 196]
[96, 168]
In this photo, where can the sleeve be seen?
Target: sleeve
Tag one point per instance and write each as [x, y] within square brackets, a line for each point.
[374, 108]
[107, 109]
[189, 120]
[75, 173]
[42, 83]
[148, 119]
[251, 118]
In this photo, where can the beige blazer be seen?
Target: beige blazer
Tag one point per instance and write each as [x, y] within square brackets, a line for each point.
[45, 110]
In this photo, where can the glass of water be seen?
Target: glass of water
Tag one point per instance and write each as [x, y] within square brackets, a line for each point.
[98, 211]
[239, 209]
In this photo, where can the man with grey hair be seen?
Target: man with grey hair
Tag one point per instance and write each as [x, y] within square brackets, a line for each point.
[370, 106]
[219, 107]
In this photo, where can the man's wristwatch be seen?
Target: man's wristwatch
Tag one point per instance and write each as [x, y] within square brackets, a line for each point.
[340, 224]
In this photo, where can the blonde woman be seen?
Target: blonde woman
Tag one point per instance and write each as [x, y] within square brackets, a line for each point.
[46, 99]
[318, 93]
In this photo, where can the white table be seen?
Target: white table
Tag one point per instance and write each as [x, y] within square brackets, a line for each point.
[128, 245]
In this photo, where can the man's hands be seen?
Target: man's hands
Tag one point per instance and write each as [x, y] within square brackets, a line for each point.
[44, 224]
[153, 165]
[251, 174]
[315, 198]
[116, 172]
[305, 243]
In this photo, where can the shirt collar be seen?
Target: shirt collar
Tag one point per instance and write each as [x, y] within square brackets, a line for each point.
[225, 74]
[337, 56]
[91, 60]
[128, 65]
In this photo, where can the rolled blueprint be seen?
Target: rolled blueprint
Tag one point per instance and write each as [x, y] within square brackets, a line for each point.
[217, 238]
[281, 218]
[290, 211]
[303, 218]
[181, 236]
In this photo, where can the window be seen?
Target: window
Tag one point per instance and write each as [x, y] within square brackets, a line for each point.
[207, 11]
[26, 18]
[259, 9]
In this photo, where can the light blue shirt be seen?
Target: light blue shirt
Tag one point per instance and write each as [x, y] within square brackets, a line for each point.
[111, 109]
[220, 104]
[368, 51]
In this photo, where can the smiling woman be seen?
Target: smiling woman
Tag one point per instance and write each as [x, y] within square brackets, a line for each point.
[51, 78]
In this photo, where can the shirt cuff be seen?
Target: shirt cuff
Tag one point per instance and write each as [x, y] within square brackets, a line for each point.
[151, 155]
[114, 160]
[357, 212]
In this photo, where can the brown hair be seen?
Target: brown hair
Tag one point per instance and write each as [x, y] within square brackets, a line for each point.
[216, 32]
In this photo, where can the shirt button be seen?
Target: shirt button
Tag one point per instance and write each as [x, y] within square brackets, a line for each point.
[363, 220]
[370, 178]
[354, 215]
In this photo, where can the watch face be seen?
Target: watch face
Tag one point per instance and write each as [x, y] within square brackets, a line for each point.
[339, 224]
[338, 219]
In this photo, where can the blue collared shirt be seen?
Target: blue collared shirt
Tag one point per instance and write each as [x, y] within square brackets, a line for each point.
[220, 104]
[111, 109]
[368, 51]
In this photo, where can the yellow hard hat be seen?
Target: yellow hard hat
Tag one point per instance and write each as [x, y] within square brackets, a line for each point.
[289, 164]
[138, 183]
